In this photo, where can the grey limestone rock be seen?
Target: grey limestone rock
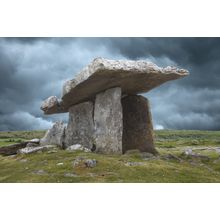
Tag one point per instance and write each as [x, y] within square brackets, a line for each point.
[29, 150]
[101, 74]
[55, 135]
[137, 124]
[108, 121]
[80, 128]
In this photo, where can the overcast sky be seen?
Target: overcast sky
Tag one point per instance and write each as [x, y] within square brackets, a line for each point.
[32, 69]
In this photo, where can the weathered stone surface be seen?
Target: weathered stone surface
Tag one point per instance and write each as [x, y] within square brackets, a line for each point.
[52, 105]
[78, 147]
[12, 149]
[29, 150]
[137, 124]
[90, 163]
[35, 140]
[80, 128]
[30, 144]
[108, 121]
[55, 135]
[132, 76]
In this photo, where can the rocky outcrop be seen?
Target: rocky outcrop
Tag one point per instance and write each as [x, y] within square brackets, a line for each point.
[132, 77]
[80, 128]
[55, 135]
[108, 121]
[137, 124]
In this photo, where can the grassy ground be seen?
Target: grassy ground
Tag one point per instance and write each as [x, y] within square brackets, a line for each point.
[170, 166]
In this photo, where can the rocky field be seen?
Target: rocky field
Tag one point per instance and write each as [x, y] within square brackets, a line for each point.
[184, 156]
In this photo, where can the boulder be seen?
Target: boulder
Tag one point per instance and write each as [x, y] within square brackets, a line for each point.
[108, 121]
[80, 128]
[90, 163]
[132, 76]
[12, 149]
[137, 124]
[55, 135]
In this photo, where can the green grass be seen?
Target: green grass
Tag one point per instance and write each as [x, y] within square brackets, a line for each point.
[42, 167]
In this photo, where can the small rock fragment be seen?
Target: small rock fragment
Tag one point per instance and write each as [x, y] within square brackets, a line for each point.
[70, 175]
[78, 147]
[90, 163]
[59, 164]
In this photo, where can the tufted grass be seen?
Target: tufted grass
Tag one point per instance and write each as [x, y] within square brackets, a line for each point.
[46, 167]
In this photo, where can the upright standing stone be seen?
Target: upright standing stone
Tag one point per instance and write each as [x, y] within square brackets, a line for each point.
[80, 128]
[137, 124]
[55, 135]
[108, 121]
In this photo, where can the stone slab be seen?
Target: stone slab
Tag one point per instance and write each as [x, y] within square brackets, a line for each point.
[133, 77]
[137, 124]
[108, 121]
[55, 135]
[80, 128]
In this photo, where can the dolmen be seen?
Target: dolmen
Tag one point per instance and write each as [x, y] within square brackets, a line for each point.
[106, 112]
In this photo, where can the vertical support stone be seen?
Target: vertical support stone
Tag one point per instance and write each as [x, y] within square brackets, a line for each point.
[108, 121]
[54, 135]
[137, 124]
[80, 128]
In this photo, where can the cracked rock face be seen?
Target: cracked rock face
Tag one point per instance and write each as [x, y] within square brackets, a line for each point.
[80, 128]
[132, 76]
[51, 105]
[108, 121]
[55, 135]
[137, 124]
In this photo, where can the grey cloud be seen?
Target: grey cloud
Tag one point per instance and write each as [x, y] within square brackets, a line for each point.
[31, 69]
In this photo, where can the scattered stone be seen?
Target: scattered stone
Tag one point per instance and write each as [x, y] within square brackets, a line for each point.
[190, 154]
[108, 121]
[70, 175]
[130, 164]
[90, 163]
[55, 135]
[78, 160]
[59, 164]
[80, 128]
[78, 147]
[132, 76]
[28, 150]
[23, 160]
[39, 172]
[137, 124]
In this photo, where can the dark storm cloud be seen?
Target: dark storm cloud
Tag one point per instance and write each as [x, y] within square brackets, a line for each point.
[31, 69]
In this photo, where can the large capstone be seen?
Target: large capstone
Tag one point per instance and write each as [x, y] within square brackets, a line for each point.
[80, 128]
[108, 121]
[132, 76]
[137, 124]
[55, 135]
